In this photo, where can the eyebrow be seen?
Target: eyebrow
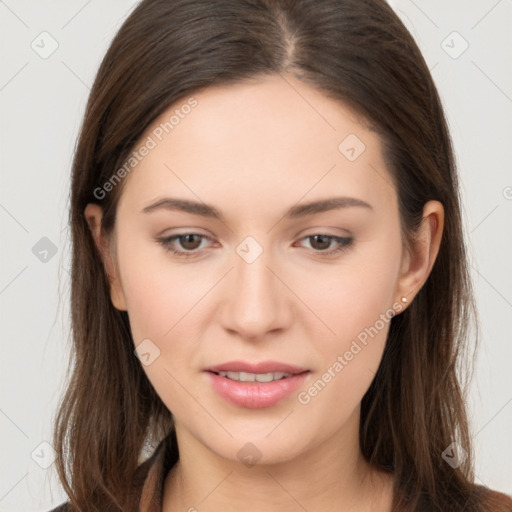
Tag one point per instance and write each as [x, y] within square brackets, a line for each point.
[300, 210]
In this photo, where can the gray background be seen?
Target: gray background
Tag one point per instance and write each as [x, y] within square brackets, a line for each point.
[42, 100]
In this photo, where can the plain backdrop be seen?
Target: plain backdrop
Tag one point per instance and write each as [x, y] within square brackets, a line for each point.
[43, 91]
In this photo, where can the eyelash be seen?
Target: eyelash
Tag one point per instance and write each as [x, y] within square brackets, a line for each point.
[345, 243]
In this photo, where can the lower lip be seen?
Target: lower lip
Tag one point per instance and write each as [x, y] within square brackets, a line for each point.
[255, 395]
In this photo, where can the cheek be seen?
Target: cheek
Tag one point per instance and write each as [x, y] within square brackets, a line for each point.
[349, 359]
[358, 306]
[159, 293]
[161, 301]
[357, 292]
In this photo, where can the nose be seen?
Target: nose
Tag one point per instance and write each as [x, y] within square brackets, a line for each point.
[257, 300]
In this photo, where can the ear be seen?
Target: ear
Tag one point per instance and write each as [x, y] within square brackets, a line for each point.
[93, 214]
[420, 256]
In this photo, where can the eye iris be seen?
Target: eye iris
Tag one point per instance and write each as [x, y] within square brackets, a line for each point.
[189, 240]
[324, 241]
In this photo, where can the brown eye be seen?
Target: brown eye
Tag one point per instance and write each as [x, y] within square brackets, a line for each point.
[190, 241]
[185, 244]
[322, 243]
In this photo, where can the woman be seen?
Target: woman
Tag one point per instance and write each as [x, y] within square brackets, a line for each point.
[269, 278]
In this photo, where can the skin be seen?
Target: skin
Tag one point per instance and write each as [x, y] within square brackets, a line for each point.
[254, 150]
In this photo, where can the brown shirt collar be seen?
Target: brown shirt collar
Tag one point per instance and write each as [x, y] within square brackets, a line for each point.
[146, 494]
[150, 477]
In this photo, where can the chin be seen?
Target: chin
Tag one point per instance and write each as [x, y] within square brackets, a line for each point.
[266, 445]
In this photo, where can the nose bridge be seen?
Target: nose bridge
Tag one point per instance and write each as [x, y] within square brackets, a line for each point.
[256, 300]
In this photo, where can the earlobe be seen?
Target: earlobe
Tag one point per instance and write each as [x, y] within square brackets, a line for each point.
[422, 253]
[93, 214]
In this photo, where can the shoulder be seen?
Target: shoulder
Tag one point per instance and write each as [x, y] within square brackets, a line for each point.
[147, 480]
[494, 501]
[491, 500]
[63, 507]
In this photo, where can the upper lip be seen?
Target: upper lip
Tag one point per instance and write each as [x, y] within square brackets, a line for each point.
[263, 367]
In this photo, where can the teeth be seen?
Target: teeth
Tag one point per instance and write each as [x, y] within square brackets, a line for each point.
[254, 377]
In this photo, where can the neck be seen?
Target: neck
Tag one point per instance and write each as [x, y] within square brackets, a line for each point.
[331, 475]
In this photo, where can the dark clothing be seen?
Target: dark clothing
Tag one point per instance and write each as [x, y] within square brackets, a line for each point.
[147, 494]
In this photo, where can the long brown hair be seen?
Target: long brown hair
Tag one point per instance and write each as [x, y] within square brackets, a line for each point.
[360, 53]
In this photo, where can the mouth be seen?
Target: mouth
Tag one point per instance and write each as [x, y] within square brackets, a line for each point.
[262, 368]
[254, 377]
[253, 385]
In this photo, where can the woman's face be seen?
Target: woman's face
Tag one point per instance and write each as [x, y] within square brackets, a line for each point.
[253, 283]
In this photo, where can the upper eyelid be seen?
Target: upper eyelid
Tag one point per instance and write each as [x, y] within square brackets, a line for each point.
[316, 231]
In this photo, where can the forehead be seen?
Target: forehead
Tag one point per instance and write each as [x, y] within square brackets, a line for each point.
[273, 137]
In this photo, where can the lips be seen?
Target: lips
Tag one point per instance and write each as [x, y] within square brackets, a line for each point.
[255, 385]
[263, 367]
